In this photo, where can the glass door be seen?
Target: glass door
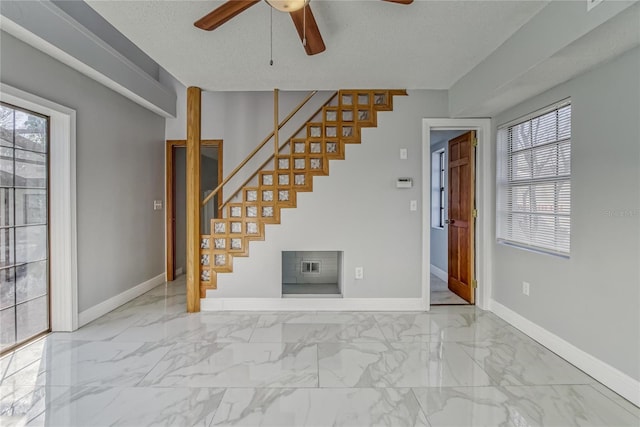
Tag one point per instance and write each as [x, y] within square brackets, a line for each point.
[24, 232]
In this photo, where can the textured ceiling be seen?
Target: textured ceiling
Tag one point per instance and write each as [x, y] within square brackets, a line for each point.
[425, 45]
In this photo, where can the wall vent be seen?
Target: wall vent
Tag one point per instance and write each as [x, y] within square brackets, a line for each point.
[310, 267]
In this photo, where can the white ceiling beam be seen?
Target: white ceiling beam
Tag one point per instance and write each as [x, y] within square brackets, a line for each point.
[555, 27]
[48, 28]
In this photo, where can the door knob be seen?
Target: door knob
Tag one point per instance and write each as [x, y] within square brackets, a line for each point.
[449, 221]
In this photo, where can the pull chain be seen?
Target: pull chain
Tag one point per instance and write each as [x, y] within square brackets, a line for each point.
[271, 39]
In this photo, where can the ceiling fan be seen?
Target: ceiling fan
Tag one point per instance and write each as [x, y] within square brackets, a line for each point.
[299, 10]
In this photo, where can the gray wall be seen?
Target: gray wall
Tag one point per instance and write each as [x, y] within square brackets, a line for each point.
[358, 210]
[292, 267]
[439, 236]
[120, 171]
[590, 300]
[386, 242]
[208, 182]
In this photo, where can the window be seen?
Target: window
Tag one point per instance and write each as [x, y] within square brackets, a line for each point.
[441, 186]
[24, 233]
[534, 181]
[438, 182]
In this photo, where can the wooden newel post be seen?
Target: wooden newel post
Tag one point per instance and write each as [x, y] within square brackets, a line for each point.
[193, 198]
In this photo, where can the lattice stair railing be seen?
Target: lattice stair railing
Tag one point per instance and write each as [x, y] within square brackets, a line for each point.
[294, 171]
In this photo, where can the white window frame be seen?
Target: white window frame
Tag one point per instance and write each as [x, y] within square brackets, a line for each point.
[438, 178]
[506, 185]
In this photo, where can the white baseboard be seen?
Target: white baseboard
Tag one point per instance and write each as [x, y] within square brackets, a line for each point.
[616, 380]
[114, 302]
[440, 274]
[311, 304]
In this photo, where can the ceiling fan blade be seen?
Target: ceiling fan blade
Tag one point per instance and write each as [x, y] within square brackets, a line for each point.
[303, 19]
[222, 14]
[400, 1]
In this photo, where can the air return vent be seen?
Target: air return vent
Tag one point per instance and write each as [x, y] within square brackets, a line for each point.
[310, 267]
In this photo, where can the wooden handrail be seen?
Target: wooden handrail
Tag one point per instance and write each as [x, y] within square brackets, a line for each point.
[279, 149]
[258, 148]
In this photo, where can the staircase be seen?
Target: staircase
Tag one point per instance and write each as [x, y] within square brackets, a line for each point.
[292, 171]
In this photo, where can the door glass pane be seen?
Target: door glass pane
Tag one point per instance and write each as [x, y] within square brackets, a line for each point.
[31, 206]
[7, 247]
[6, 126]
[7, 288]
[30, 169]
[32, 318]
[31, 132]
[8, 329]
[6, 167]
[31, 243]
[24, 233]
[6, 207]
[31, 281]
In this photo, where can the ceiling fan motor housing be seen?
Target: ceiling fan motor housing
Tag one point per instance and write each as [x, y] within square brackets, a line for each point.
[287, 5]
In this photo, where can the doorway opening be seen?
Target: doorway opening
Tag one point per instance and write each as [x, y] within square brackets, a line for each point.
[456, 223]
[440, 291]
[210, 177]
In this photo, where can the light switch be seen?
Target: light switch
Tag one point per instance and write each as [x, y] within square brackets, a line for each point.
[157, 205]
[403, 154]
[413, 205]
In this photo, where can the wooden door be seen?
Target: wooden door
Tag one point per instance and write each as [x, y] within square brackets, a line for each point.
[461, 215]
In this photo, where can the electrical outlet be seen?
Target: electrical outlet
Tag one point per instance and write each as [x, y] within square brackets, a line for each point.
[525, 288]
[403, 154]
[359, 272]
[413, 205]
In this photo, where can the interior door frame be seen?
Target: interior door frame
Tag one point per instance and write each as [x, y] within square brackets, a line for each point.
[170, 189]
[484, 197]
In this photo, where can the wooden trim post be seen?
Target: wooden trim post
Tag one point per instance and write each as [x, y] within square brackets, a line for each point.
[276, 125]
[193, 198]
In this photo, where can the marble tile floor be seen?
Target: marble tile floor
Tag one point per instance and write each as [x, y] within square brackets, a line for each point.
[441, 295]
[149, 363]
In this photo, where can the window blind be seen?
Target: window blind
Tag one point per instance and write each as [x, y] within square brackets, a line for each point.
[534, 181]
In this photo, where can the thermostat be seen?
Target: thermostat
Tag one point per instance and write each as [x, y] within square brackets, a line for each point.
[404, 183]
